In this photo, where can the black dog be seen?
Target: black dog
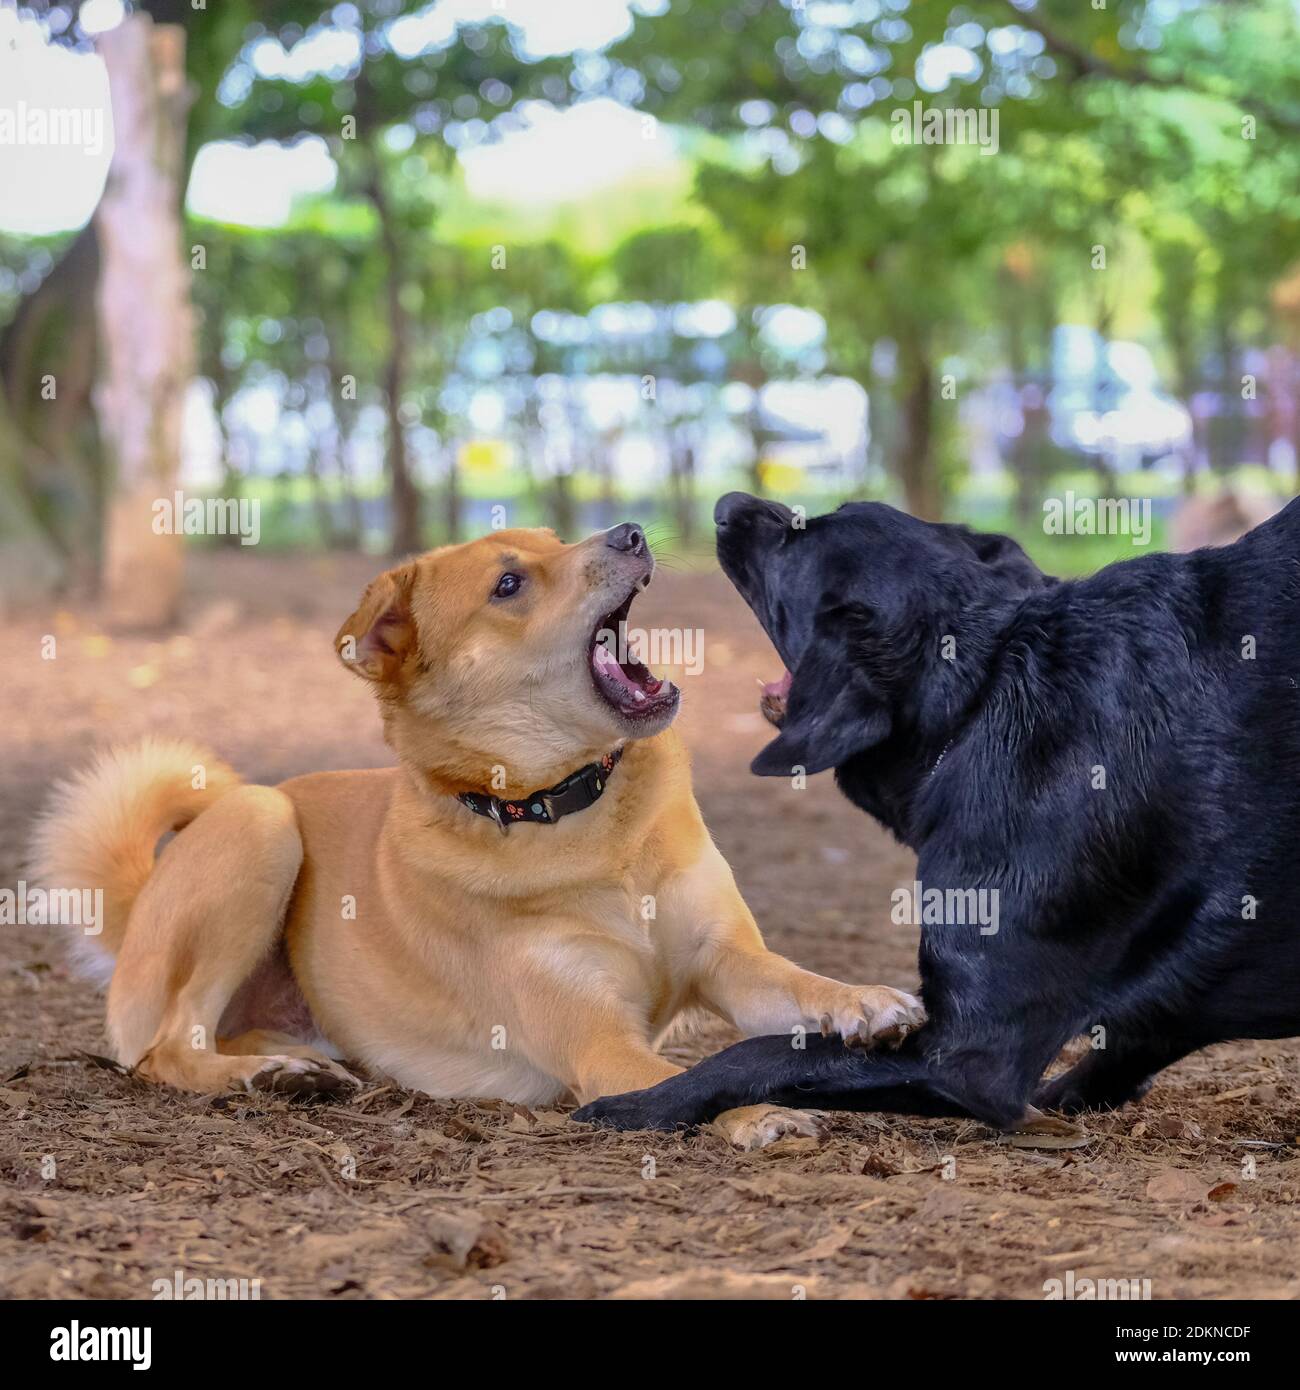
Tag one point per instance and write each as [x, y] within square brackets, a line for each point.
[1117, 758]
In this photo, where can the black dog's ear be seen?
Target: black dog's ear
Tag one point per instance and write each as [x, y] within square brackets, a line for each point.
[831, 715]
[1004, 556]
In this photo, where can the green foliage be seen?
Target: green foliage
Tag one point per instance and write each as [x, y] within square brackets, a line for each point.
[1166, 135]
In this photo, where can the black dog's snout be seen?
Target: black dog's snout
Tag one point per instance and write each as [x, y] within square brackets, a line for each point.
[627, 537]
[726, 507]
[735, 507]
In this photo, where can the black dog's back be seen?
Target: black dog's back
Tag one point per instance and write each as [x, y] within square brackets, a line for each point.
[1131, 792]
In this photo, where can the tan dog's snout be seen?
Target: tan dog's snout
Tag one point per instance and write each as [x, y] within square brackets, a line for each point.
[618, 558]
[627, 539]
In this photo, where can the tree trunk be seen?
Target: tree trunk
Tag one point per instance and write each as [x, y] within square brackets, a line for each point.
[917, 467]
[351, 529]
[320, 499]
[146, 323]
[30, 567]
[405, 497]
[1226, 449]
[754, 420]
[452, 498]
[563, 513]
[683, 456]
[59, 470]
[223, 387]
[1031, 454]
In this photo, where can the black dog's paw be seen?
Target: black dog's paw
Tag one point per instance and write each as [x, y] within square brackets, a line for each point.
[1060, 1094]
[632, 1110]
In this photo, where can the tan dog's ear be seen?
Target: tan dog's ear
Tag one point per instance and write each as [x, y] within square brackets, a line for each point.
[376, 639]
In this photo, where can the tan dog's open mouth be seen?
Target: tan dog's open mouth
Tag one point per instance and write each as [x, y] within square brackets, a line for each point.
[621, 679]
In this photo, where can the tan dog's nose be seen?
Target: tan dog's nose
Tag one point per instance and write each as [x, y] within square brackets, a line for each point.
[627, 538]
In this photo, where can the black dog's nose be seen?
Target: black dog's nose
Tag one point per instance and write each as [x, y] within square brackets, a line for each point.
[626, 537]
[728, 505]
[735, 508]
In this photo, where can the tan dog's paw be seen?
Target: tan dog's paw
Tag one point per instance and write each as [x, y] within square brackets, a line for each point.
[868, 1015]
[300, 1076]
[1036, 1130]
[756, 1126]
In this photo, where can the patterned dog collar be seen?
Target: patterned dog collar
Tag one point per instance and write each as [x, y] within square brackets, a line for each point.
[578, 791]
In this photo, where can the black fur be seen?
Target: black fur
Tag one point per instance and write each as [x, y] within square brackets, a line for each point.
[1161, 908]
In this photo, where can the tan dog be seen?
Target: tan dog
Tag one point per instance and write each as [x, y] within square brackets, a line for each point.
[375, 915]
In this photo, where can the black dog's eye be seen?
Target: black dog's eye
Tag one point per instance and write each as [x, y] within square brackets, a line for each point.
[508, 586]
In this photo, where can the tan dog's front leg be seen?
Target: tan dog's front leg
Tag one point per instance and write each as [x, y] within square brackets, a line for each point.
[611, 1063]
[581, 1013]
[734, 974]
[582, 1026]
[761, 992]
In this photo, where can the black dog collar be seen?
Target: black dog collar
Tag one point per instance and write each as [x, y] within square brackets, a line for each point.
[578, 791]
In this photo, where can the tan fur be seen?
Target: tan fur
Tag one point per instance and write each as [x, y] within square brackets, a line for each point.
[536, 965]
[100, 827]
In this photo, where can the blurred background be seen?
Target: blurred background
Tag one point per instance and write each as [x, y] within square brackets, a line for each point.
[402, 272]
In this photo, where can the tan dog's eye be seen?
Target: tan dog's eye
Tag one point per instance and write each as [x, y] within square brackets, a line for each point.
[508, 586]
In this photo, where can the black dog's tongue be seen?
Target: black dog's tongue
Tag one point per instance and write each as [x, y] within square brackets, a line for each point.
[773, 701]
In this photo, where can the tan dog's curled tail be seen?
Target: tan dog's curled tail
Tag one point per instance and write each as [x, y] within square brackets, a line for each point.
[101, 825]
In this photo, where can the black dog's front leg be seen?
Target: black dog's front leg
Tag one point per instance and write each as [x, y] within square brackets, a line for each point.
[819, 1073]
[1107, 1079]
[771, 1069]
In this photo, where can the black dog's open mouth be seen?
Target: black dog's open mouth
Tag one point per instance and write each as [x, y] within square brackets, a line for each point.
[623, 681]
[775, 697]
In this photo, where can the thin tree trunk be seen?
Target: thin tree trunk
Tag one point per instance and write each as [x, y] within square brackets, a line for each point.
[754, 421]
[320, 501]
[684, 489]
[917, 467]
[1023, 452]
[1227, 450]
[452, 496]
[30, 566]
[352, 527]
[231, 476]
[405, 497]
[53, 331]
[320, 449]
[562, 507]
[146, 323]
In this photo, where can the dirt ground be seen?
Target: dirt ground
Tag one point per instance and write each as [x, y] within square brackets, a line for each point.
[1195, 1189]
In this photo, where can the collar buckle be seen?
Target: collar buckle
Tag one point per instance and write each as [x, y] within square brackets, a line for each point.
[494, 811]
